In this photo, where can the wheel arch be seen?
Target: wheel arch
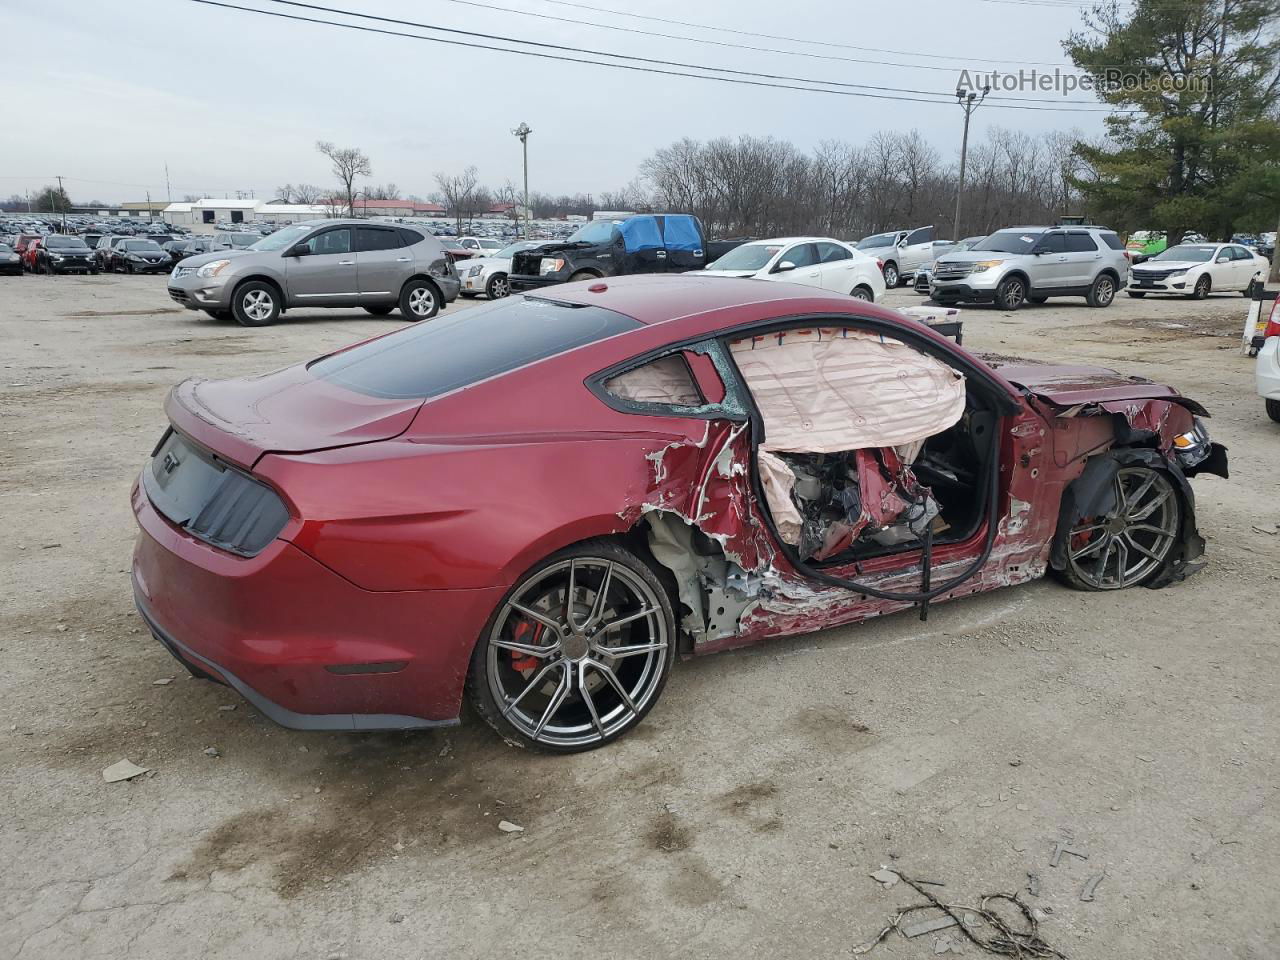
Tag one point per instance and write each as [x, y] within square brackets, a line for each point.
[266, 278]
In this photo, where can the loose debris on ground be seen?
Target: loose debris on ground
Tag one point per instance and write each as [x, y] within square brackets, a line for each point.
[982, 925]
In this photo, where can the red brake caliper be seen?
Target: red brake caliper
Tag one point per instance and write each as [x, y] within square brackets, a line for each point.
[520, 661]
[1082, 538]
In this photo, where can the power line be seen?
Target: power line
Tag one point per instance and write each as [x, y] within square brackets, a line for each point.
[738, 78]
[744, 46]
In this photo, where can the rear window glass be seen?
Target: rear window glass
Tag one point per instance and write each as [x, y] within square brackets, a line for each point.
[1112, 241]
[432, 358]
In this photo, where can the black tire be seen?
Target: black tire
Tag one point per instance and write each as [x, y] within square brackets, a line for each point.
[583, 275]
[93, 271]
[891, 275]
[128, 268]
[1248, 291]
[1011, 294]
[491, 672]
[1103, 291]
[220, 315]
[497, 287]
[1201, 289]
[1273, 410]
[419, 300]
[862, 293]
[467, 294]
[1137, 294]
[381, 310]
[255, 304]
[1037, 300]
[1080, 556]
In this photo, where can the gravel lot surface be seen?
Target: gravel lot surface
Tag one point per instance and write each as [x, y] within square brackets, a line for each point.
[741, 819]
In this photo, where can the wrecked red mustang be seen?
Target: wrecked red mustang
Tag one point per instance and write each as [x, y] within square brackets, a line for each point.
[538, 502]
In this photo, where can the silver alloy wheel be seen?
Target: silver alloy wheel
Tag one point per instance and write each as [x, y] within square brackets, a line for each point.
[577, 652]
[422, 302]
[257, 305]
[498, 287]
[1014, 294]
[1131, 542]
[890, 276]
[1106, 291]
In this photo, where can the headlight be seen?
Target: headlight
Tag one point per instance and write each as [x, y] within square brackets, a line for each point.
[1192, 446]
[1178, 273]
[213, 268]
[550, 266]
[981, 265]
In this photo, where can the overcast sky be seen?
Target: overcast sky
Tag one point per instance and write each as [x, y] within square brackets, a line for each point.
[105, 93]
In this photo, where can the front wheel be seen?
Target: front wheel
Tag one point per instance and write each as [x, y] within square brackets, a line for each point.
[577, 652]
[381, 310]
[1133, 542]
[1273, 410]
[1201, 289]
[255, 304]
[1011, 293]
[1102, 292]
[419, 300]
[1137, 294]
[891, 275]
[497, 287]
[219, 314]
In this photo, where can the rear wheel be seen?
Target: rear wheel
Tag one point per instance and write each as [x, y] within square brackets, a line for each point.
[1130, 544]
[1248, 291]
[578, 651]
[419, 300]
[1201, 289]
[1102, 292]
[381, 310]
[1273, 410]
[583, 275]
[255, 304]
[1011, 293]
[1137, 294]
[1037, 300]
[861, 293]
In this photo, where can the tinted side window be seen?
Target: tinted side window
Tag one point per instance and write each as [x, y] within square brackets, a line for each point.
[331, 241]
[1052, 243]
[1080, 243]
[923, 235]
[429, 359]
[410, 237]
[802, 255]
[376, 238]
[1112, 241]
[831, 252]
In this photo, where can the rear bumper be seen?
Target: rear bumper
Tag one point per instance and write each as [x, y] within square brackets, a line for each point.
[1267, 372]
[304, 645]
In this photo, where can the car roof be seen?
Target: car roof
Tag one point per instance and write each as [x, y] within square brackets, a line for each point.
[786, 240]
[657, 298]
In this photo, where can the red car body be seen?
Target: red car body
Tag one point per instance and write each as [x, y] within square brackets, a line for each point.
[408, 520]
[25, 247]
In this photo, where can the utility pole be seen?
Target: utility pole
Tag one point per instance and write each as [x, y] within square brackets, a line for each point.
[61, 202]
[523, 132]
[969, 102]
[168, 190]
[151, 214]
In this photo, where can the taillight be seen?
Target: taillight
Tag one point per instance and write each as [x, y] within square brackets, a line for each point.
[1128, 255]
[1272, 328]
[880, 264]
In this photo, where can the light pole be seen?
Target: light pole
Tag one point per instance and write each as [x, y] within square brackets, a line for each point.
[523, 132]
[969, 102]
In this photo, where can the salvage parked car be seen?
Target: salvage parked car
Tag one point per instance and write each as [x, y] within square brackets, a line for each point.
[135, 255]
[22, 246]
[488, 275]
[61, 254]
[10, 261]
[1197, 269]
[812, 261]
[645, 243]
[320, 263]
[359, 541]
[902, 252]
[921, 282]
[1031, 264]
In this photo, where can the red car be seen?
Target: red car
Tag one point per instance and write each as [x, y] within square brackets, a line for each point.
[538, 502]
[25, 246]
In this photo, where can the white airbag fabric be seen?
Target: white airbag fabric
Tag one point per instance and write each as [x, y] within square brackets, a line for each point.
[823, 390]
[778, 481]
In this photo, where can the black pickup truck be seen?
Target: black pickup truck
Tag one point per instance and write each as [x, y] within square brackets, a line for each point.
[644, 243]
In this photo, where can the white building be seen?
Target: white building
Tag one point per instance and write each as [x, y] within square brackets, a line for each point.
[202, 215]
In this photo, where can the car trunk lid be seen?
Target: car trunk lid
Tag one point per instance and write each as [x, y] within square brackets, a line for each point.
[1065, 385]
[289, 411]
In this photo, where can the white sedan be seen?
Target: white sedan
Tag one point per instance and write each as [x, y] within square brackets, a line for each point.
[1199, 269]
[812, 261]
[488, 275]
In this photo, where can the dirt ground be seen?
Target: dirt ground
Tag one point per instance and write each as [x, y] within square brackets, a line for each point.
[742, 818]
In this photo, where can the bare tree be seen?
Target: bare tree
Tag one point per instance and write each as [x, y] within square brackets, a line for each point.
[308, 193]
[383, 191]
[457, 193]
[348, 164]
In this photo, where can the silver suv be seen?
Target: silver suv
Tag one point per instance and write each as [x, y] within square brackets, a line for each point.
[321, 263]
[1021, 264]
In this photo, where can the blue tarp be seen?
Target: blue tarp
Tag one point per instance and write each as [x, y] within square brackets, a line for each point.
[681, 233]
[641, 233]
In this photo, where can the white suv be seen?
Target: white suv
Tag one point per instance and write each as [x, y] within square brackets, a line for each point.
[1018, 265]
